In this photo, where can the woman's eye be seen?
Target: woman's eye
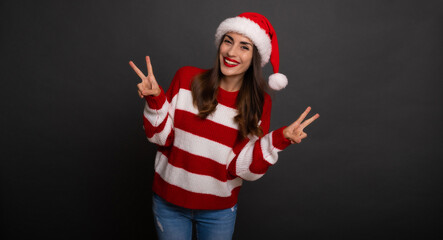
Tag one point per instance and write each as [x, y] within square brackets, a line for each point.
[246, 48]
[227, 41]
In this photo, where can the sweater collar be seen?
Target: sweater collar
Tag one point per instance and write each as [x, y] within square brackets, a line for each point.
[227, 98]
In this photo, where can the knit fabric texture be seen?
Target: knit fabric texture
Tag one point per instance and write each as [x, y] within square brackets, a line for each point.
[201, 163]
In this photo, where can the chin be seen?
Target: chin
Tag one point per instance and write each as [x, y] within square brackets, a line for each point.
[231, 72]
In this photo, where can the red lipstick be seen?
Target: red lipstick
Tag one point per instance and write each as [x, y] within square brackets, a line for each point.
[231, 60]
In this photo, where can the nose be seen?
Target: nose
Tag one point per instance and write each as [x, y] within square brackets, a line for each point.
[231, 51]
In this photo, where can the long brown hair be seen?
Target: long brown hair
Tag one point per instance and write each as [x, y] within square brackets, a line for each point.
[250, 98]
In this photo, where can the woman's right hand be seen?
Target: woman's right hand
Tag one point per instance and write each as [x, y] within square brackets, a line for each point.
[148, 86]
[295, 132]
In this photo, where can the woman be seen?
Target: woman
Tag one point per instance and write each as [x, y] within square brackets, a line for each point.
[212, 131]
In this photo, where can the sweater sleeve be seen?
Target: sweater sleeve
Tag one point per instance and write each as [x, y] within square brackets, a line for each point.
[158, 114]
[253, 156]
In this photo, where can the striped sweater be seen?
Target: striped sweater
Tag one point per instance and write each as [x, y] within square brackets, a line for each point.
[201, 163]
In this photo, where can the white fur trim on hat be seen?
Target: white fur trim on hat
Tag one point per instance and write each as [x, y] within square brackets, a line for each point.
[251, 30]
[277, 81]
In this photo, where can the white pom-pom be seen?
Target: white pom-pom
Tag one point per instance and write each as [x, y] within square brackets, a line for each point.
[277, 81]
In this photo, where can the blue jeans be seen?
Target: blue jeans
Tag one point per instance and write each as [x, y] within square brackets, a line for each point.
[174, 222]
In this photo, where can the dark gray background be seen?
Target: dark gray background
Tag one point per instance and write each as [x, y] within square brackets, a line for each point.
[76, 164]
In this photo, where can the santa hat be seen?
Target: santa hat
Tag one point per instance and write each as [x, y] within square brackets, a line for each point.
[257, 28]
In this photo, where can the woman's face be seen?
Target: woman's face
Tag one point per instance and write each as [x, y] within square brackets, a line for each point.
[235, 54]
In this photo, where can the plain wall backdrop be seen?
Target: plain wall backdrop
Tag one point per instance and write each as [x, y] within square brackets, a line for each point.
[75, 163]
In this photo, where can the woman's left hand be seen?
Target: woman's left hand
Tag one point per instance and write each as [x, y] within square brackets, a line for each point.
[295, 131]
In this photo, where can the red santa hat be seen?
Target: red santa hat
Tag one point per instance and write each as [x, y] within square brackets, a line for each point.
[257, 28]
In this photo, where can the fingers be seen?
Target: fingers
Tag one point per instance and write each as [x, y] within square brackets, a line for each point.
[148, 64]
[149, 85]
[143, 91]
[309, 121]
[295, 132]
[298, 137]
[140, 87]
[294, 135]
[295, 140]
[294, 125]
[300, 119]
[303, 115]
[149, 92]
[152, 81]
[139, 73]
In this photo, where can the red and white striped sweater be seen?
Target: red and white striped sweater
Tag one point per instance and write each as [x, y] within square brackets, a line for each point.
[201, 163]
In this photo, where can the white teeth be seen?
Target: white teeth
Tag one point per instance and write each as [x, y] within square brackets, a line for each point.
[230, 62]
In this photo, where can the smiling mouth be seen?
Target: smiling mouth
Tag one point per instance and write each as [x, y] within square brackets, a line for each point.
[230, 62]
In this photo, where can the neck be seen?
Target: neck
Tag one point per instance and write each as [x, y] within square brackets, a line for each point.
[231, 84]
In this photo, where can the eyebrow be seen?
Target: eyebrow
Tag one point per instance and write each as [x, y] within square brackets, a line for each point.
[245, 43]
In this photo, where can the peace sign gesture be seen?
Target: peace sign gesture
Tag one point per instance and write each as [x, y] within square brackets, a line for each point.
[295, 131]
[149, 85]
